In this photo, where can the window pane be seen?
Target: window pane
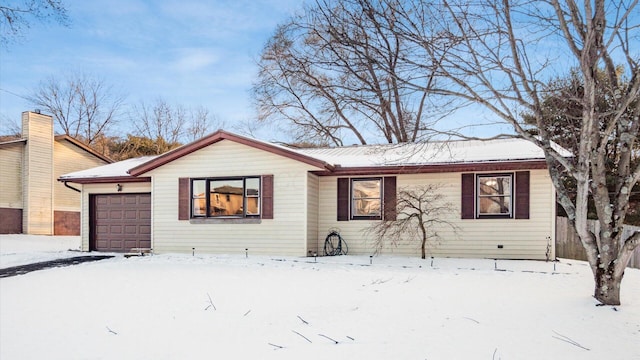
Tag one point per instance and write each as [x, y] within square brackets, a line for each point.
[199, 207]
[495, 185]
[366, 207]
[198, 189]
[495, 205]
[253, 206]
[198, 199]
[366, 197]
[366, 189]
[225, 197]
[252, 187]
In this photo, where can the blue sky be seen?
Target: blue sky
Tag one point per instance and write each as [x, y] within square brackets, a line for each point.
[189, 52]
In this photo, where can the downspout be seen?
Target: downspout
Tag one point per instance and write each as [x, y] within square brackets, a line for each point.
[70, 187]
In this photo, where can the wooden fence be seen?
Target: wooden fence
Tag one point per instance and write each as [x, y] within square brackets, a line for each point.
[568, 244]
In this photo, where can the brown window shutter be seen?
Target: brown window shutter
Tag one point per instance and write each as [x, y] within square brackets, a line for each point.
[468, 196]
[522, 194]
[184, 199]
[267, 196]
[389, 198]
[343, 199]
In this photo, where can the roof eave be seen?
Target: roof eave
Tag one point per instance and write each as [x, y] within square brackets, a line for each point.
[105, 180]
[13, 142]
[436, 168]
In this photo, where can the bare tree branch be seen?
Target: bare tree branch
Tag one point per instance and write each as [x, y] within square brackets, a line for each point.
[82, 106]
[337, 71]
[17, 17]
[421, 216]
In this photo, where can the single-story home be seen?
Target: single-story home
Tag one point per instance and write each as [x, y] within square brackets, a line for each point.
[227, 193]
[31, 200]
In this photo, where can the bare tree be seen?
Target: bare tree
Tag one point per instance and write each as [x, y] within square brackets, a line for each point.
[168, 126]
[18, 15]
[82, 106]
[421, 214]
[501, 54]
[333, 73]
[9, 128]
[201, 122]
[161, 122]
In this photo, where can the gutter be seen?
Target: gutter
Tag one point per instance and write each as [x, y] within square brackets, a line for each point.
[66, 184]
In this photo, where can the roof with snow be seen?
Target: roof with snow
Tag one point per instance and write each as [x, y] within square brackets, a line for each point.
[118, 170]
[439, 152]
[341, 160]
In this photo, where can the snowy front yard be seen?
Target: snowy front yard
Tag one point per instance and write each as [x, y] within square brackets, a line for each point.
[232, 307]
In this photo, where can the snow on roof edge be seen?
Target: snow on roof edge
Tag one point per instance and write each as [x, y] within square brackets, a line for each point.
[375, 155]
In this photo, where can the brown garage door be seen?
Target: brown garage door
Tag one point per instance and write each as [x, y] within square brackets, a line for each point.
[120, 222]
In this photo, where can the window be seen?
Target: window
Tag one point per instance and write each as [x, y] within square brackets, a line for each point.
[494, 195]
[198, 198]
[257, 192]
[366, 198]
[225, 197]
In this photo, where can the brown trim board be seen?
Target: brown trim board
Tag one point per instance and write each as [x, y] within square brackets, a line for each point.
[435, 168]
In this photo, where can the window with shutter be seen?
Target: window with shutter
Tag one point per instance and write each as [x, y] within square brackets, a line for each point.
[390, 198]
[366, 198]
[343, 199]
[468, 196]
[522, 194]
[495, 195]
[267, 196]
[234, 197]
[184, 198]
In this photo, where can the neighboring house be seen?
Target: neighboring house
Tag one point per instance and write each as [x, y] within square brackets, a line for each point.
[31, 200]
[271, 199]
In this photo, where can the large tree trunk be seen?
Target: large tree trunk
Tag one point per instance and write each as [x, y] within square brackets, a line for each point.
[608, 270]
[607, 289]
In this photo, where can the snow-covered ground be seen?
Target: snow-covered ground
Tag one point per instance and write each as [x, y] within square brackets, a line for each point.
[234, 307]
[26, 249]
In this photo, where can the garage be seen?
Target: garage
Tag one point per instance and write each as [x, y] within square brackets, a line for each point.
[120, 222]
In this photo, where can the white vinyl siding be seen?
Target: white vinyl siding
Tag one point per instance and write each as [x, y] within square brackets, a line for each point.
[478, 238]
[312, 214]
[11, 175]
[89, 189]
[285, 234]
[37, 187]
[68, 158]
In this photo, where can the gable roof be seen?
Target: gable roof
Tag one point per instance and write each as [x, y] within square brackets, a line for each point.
[61, 138]
[82, 146]
[442, 156]
[223, 135]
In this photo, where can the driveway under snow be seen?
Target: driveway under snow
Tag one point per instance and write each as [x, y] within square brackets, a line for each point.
[27, 249]
[234, 307]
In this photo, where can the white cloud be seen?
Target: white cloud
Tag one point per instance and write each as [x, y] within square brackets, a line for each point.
[194, 59]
